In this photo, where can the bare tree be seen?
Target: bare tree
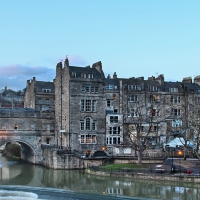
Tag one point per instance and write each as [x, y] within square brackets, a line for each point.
[140, 120]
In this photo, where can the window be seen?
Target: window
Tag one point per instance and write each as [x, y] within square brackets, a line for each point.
[32, 126]
[133, 112]
[175, 99]
[94, 89]
[154, 98]
[88, 139]
[39, 101]
[175, 111]
[108, 103]
[47, 140]
[89, 89]
[83, 88]
[113, 119]
[133, 98]
[153, 88]
[46, 90]
[115, 111]
[113, 139]
[114, 97]
[16, 114]
[47, 101]
[48, 127]
[109, 87]
[114, 130]
[173, 89]
[88, 76]
[74, 74]
[88, 124]
[177, 123]
[82, 125]
[139, 87]
[88, 105]
[129, 87]
[153, 128]
[153, 112]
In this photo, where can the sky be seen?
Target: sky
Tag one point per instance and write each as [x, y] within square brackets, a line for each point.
[133, 38]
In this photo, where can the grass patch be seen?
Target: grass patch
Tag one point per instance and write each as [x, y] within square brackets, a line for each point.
[118, 167]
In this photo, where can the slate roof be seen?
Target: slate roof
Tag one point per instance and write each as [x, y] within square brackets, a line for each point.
[155, 83]
[82, 70]
[110, 81]
[191, 87]
[177, 84]
[40, 85]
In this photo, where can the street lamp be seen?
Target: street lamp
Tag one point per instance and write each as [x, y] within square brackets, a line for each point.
[180, 153]
[172, 167]
[103, 148]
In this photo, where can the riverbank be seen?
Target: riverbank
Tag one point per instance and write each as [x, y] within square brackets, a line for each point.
[178, 177]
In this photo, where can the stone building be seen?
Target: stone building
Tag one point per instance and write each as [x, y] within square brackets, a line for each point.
[11, 99]
[80, 107]
[39, 95]
[91, 111]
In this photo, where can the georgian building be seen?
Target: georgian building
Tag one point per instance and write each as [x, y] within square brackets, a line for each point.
[92, 112]
[39, 95]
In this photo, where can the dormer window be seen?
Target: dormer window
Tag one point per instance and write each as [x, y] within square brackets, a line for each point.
[46, 90]
[109, 87]
[139, 87]
[74, 74]
[88, 76]
[173, 89]
[153, 88]
[132, 87]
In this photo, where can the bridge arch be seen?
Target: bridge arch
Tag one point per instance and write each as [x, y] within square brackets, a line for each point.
[27, 153]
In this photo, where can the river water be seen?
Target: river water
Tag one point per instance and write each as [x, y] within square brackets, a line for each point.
[38, 182]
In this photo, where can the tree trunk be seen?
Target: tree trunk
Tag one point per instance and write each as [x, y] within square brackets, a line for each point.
[139, 157]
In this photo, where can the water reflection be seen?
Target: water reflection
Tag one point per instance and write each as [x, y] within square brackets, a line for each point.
[20, 173]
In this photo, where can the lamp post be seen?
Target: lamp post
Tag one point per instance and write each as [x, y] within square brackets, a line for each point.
[172, 166]
[180, 153]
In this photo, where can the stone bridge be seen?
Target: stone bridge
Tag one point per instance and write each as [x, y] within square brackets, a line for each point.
[30, 142]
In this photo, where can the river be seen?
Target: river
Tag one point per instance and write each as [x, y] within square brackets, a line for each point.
[14, 174]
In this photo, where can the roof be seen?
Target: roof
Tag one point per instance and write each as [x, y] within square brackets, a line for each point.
[40, 85]
[87, 70]
[177, 84]
[110, 81]
[191, 87]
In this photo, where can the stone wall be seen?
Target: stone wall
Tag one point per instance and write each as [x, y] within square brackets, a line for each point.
[68, 161]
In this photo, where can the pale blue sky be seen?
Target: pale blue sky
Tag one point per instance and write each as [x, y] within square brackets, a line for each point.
[131, 37]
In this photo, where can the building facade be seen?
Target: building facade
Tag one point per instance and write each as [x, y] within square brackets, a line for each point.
[92, 112]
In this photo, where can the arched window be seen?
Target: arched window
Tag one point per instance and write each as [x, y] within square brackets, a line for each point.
[88, 124]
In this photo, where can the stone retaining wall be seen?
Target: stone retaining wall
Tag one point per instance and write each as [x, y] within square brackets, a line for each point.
[178, 178]
[67, 161]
